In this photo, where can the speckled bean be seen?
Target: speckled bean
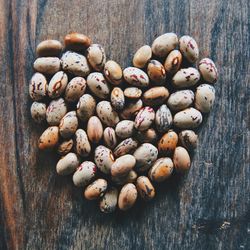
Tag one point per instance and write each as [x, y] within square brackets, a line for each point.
[85, 107]
[144, 118]
[108, 202]
[98, 85]
[38, 87]
[68, 125]
[186, 78]
[180, 100]
[188, 118]
[188, 139]
[145, 156]
[136, 77]
[145, 188]
[75, 89]
[56, 110]
[104, 159]
[124, 129]
[189, 48]
[204, 98]
[107, 114]
[57, 84]
[84, 174]
[208, 70]
[96, 57]
[163, 119]
[83, 147]
[38, 111]
[126, 146]
[49, 138]
[117, 98]
[161, 170]
[109, 137]
[96, 189]
[75, 64]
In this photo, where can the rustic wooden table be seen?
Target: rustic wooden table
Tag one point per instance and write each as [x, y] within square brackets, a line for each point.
[206, 209]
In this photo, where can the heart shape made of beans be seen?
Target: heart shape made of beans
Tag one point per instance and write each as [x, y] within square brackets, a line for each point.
[121, 131]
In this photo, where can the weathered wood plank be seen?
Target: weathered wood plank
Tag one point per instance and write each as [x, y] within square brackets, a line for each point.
[207, 209]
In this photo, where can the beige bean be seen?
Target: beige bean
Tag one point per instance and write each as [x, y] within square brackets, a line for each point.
[113, 72]
[142, 56]
[49, 48]
[67, 164]
[163, 44]
[47, 65]
[94, 129]
[132, 93]
[155, 96]
[127, 197]
[123, 165]
[76, 41]
[181, 160]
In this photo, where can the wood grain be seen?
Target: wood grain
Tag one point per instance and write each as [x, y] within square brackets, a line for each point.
[207, 209]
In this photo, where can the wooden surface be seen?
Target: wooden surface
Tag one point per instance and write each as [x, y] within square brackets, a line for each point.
[207, 209]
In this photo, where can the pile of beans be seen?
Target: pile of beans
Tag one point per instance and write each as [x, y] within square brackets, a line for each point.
[120, 132]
